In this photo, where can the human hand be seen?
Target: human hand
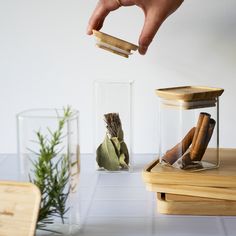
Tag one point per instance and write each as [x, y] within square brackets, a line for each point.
[155, 11]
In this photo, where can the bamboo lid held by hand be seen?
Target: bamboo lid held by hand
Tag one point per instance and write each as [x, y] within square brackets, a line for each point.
[113, 44]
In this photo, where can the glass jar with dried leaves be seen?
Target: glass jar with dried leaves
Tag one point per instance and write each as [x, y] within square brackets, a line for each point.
[113, 125]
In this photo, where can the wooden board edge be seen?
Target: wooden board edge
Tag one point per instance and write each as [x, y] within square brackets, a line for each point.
[159, 178]
[146, 172]
[223, 208]
[184, 198]
[205, 192]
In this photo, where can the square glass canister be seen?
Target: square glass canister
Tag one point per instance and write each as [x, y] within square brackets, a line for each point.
[189, 127]
[48, 149]
[113, 125]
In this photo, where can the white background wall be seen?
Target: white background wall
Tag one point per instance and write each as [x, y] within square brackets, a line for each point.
[47, 60]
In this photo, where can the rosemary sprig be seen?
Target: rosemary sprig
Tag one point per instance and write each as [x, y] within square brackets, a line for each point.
[51, 174]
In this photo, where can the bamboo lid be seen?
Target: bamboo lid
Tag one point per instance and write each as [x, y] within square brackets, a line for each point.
[189, 97]
[189, 93]
[19, 207]
[113, 44]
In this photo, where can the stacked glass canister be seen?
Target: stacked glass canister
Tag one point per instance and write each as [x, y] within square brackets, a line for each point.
[189, 127]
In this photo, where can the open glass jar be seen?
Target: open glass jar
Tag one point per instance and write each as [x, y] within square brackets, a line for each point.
[113, 125]
[189, 127]
[48, 148]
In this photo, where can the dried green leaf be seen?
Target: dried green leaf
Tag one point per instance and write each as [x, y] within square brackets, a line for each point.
[124, 149]
[122, 161]
[106, 155]
[120, 134]
[116, 144]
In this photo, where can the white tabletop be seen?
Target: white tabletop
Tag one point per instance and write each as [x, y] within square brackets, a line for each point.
[117, 204]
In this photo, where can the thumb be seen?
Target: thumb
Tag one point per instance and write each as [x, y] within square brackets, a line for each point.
[152, 23]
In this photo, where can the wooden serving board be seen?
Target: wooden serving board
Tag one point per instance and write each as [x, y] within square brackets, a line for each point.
[222, 177]
[189, 93]
[184, 205]
[19, 206]
[184, 198]
[204, 192]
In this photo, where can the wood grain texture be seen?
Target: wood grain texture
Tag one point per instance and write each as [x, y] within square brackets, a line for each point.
[113, 51]
[191, 206]
[113, 44]
[223, 177]
[184, 198]
[189, 93]
[19, 206]
[207, 192]
[187, 105]
[120, 43]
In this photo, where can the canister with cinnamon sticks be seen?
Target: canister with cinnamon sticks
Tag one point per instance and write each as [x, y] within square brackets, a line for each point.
[189, 119]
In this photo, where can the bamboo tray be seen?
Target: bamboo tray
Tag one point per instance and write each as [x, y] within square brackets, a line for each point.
[209, 192]
[189, 93]
[223, 177]
[184, 205]
[204, 192]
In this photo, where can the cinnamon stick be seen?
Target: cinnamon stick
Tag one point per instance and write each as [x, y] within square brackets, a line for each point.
[199, 146]
[199, 123]
[186, 159]
[179, 149]
[208, 137]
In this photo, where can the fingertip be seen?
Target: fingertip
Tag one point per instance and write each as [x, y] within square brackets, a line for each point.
[89, 30]
[142, 50]
[144, 42]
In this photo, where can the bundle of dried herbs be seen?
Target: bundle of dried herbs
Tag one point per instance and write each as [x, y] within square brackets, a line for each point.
[51, 173]
[112, 153]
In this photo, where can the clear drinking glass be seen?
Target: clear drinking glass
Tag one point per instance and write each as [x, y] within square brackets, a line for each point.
[113, 103]
[48, 149]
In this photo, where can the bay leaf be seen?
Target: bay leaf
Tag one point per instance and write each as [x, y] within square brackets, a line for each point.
[124, 149]
[120, 135]
[106, 155]
[122, 161]
[116, 144]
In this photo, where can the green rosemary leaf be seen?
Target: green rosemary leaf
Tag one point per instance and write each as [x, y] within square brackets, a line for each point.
[51, 174]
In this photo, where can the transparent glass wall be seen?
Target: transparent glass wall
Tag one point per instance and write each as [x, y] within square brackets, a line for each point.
[113, 125]
[48, 149]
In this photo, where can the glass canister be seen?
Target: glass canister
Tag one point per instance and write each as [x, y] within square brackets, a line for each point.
[48, 149]
[113, 125]
[189, 127]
